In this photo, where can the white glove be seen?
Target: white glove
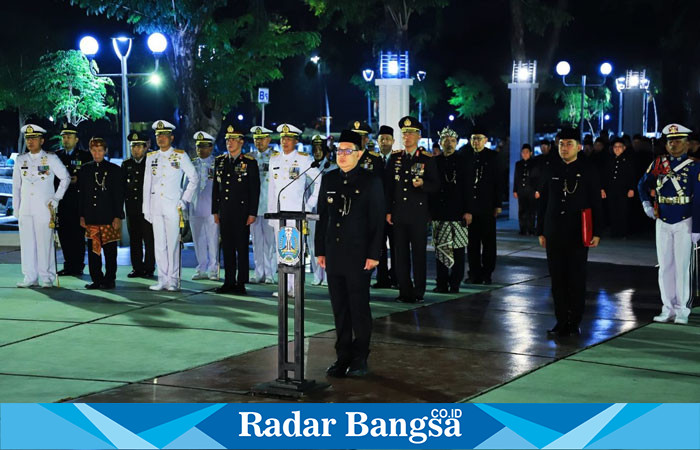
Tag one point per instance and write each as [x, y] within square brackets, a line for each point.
[695, 237]
[53, 203]
[648, 210]
[182, 205]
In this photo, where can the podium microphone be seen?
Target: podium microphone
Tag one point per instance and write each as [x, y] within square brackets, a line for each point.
[303, 195]
[313, 165]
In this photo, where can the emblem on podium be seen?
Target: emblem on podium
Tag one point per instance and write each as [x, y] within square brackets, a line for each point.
[288, 240]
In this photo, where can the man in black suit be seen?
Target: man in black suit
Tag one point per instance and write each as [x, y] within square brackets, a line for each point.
[101, 208]
[482, 189]
[348, 244]
[386, 277]
[70, 233]
[143, 264]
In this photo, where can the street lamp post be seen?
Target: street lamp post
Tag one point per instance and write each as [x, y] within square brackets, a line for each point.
[368, 75]
[633, 90]
[420, 76]
[317, 60]
[563, 68]
[122, 48]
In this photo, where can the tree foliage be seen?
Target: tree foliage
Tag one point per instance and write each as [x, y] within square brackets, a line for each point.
[471, 95]
[597, 100]
[67, 88]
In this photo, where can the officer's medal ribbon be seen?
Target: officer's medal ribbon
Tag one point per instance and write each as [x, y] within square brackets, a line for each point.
[417, 171]
[154, 166]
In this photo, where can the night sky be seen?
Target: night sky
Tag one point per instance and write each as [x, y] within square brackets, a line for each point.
[467, 35]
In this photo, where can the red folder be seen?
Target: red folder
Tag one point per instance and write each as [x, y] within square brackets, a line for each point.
[587, 226]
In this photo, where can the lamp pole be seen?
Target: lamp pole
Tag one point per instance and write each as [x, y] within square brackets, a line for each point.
[563, 68]
[122, 48]
[368, 75]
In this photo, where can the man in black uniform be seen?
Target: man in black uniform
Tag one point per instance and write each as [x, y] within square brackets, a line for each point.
[619, 181]
[234, 203]
[348, 243]
[140, 230]
[482, 200]
[410, 176]
[447, 211]
[571, 186]
[386, 278]
[524, 188]
[70, 233]
[101, 207]
[369, 160]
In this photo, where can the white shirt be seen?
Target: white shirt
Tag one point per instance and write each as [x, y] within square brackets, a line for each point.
[263, 159]
[33, 182]
[162, 183]
[201, 200]
[288, 168]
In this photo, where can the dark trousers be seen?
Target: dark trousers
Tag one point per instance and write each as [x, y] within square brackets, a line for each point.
[567, 259]
[451, 277]
[527, 210]
[234, 244]
[410, 240]
[140, 236]
[481, 250]
[72, 238]
[349, 292]
[618, 212]
[384, 274]
[95, 263]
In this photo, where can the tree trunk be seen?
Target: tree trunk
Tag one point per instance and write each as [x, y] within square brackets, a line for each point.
[517, 31]
[22, 117]
[182, 64]
[546, 64]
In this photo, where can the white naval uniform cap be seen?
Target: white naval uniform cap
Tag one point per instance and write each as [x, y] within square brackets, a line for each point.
[202, 137]
[260, 132]
[32, 130]
[288, 130]
[162, 126]
[675, 131]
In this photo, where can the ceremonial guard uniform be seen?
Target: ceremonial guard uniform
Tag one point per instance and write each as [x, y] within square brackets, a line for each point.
[483, 201]
[408, 207]
[370, 160]
[235, 198]
[140, 230]
[70, 233]
[34, 198]
[570, 188]
[100, 202]
[205, 232]
[349, 233]
[286, 169]
[163, 196]
[674, 178]
[264, 248]
[447, 210]
[525, 185]
[619, 181]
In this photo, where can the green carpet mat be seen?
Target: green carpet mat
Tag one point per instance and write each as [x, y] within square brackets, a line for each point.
[62, 343]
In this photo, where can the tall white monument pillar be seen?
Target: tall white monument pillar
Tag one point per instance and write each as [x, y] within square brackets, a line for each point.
[394, 85]
[522, 119]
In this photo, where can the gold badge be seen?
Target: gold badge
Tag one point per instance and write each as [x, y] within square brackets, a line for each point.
[230, 129]
[285, 129]
[200, 136]
[330, 199]
[357, 125]
[134, 136]
[30, 129]
[160, 125]
[258, 130]
[407, 122]
[673, 129]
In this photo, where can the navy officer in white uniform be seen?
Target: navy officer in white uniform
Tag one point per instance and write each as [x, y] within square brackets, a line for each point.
[34, 196]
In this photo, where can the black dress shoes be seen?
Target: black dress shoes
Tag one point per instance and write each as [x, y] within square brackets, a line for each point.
[225, 289]
[405, 300]
[358, 368]
[240, 289]
[454, 290]
[441, 290]
[146, 274]
[473, 280]
[337, 370]
[93, 286]
[107, 285]
[134, 274]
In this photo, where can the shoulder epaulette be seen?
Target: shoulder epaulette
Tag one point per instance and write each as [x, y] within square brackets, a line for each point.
[303, 154]
[177, 150]
[152, 153]
[373, 153]
[223, 155]
[396, 151]
[275, 153]
[429, 155]
[249, 156]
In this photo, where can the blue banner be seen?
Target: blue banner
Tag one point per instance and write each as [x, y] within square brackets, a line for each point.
[349, 425]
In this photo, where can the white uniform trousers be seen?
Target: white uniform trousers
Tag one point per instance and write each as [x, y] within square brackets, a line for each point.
[318, 271]
[264, 250]
[205, 234]
[36, 248]
[673, 250]
[166, 243]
